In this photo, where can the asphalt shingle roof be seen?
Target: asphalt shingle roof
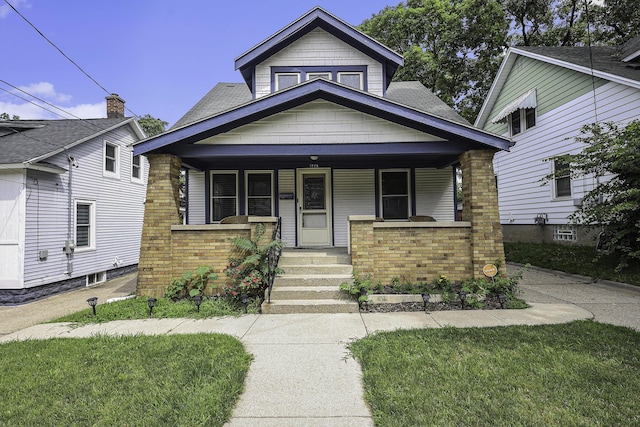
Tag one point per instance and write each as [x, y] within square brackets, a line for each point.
[23, 140]
[602, 58]
[225, 96]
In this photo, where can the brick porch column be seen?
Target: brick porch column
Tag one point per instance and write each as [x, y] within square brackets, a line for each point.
[162, 210]
[480, 207]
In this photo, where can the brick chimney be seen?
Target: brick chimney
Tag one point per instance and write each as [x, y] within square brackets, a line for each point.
[115, 106]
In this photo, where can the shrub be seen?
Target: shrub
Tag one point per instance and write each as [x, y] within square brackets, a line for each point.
[190, 283]
[249, 273]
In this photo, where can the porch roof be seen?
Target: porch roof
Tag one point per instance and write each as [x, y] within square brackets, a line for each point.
[458, 137]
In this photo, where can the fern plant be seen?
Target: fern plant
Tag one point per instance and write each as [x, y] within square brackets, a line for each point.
[249, 273]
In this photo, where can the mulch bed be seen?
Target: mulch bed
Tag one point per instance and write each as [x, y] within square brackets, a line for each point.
[490, 303]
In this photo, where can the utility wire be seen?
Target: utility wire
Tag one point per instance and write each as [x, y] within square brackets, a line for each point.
[47, 103]
[63, 54]
[593, 77]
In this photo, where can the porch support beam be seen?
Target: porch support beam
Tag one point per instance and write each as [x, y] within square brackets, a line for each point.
[480, 207]
[162, 210]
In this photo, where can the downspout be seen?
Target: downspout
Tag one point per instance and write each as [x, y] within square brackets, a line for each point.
[69, 246]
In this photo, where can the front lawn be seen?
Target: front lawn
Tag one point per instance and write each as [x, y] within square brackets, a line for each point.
[578, 374]
[571, 259]
[138, 308]
[184, 380]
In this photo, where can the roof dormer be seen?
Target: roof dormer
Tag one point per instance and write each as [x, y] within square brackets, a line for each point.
[318, 45]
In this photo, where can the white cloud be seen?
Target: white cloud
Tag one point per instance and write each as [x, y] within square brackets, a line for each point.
[45, 90]
[16, 106]
[5, 9]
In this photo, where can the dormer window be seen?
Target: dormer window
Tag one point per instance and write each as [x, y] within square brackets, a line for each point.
[323, 75]
[285, 80]
[353, 80]
[353, 76]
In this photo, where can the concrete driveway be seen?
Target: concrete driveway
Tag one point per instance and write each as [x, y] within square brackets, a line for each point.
[609, 302]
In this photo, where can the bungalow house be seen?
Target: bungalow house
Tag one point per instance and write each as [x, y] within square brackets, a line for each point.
[71, 203]
[320, 139]
[541, 97]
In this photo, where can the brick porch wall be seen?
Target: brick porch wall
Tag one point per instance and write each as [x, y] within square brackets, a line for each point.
[480, 207]
[418, 252]
[421, 252]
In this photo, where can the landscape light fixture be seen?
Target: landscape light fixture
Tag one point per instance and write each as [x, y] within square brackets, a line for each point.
[502, 298]
[152, 303]
[93, 301]
[425, 300]
[197, 300]
[244, 299]
[463, 297]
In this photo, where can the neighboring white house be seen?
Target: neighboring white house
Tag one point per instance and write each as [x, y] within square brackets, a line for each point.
[541, 97]
[71, 202]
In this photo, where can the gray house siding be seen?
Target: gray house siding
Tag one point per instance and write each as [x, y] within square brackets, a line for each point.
[119, 211]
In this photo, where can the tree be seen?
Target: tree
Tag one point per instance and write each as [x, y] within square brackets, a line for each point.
[5, 116]
[614, 204]
[151, 125]
[452, 46]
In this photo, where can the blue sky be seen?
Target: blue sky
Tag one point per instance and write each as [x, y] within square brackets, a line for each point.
[160, 56]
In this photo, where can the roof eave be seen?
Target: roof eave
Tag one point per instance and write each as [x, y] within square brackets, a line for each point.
[320, 89]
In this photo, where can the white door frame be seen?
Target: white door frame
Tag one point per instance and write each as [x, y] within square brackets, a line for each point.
[314, 236]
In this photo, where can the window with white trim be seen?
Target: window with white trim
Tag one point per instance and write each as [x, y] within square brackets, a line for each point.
[259, 191]
[137, 168]
[352, 79]
[95, 278]
[561, 180]
[565, 233]
[521, 120]
[319, 74]
[224, 195]
[85, 225]
[111, 160]
[285, 80]
[394, 194]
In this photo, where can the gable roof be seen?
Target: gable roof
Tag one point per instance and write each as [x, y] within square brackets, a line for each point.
[175, 140]
[30, 141]
[318, 17]
[601, 61]
[225, 96]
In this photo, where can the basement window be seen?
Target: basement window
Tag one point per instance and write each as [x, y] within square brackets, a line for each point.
[95, 278]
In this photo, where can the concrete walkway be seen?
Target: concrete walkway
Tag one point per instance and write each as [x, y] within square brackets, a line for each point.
[302, 372]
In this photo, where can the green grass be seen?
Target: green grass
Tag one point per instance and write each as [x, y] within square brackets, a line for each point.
[184, 380]
[578, 374]
[137, 308]
[571, 259]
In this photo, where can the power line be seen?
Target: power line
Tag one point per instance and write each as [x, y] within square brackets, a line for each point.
[45, 102]
[63, 54]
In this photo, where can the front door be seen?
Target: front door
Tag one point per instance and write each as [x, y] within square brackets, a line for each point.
[314, 207]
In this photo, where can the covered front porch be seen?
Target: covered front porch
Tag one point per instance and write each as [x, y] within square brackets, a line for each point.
[353, 218]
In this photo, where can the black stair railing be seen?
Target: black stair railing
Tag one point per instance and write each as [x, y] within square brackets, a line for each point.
[273, 257]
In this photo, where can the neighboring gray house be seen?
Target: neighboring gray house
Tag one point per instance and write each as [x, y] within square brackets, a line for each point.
[541, 97]
[71, 202]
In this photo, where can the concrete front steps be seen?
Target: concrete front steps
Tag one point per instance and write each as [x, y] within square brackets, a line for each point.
[311, 283]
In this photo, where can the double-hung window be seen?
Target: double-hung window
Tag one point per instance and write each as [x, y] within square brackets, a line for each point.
[562, 179]
[137, 170]
[224, 195]
[394, 194]
[521, 120]
[259, 193]
[111, 160]
[85, 224]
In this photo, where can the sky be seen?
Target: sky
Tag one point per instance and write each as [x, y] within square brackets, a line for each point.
[160, 56]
